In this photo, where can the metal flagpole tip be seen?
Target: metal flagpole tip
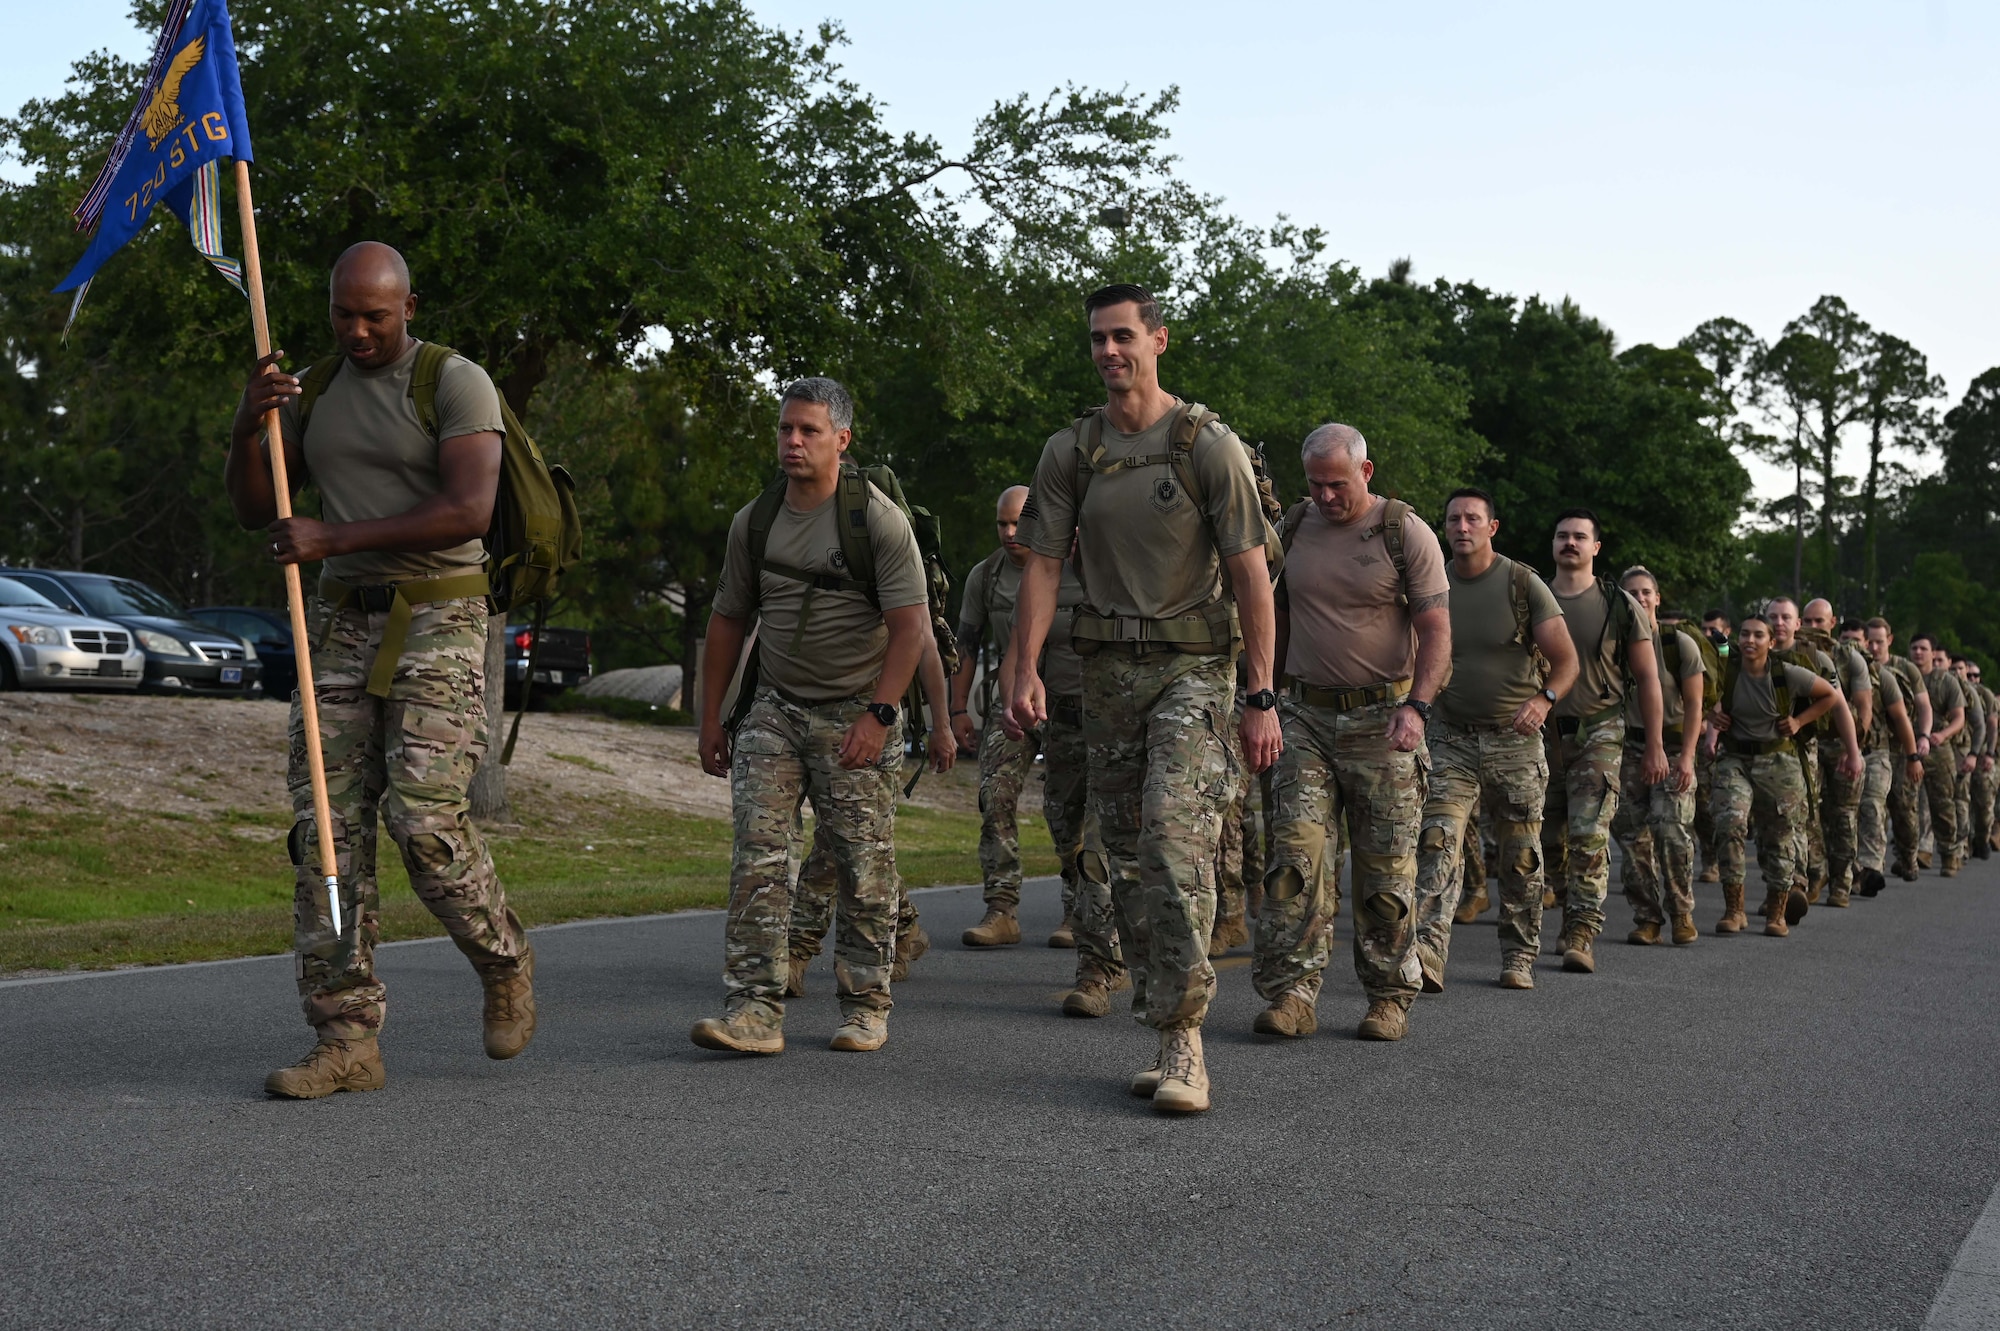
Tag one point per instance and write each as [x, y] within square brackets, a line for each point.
[333, 903]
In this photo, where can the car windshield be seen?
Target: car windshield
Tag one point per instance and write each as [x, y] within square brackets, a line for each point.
[13, 593]
[122, 596]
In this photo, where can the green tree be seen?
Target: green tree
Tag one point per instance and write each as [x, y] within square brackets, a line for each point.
[1896, 385]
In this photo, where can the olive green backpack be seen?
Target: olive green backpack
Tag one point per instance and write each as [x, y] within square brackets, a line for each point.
[536, 533]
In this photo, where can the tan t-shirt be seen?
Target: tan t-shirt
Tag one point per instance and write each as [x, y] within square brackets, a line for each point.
[1753, 711]
[1491, 674]
[1062, 668]
[1599, 654]
[1340, 588]
[839, 655]
[1672, 714]
[370, 458]
[1144, 549]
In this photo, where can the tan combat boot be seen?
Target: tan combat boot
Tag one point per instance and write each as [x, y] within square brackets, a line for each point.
[1795, 906]
[743, 1031]
[1578, 959]
[1471, 908]
[795, 977]
[1518, 971]
[1065, 934]
[997, 928]
[1733, 920]
[1644, 934]
[861, 1032]
[331, 1065]
[1291, 1016]
[1183, 1087]
[509, 1015]
[1710, 873]
[1774, 914]
[1386, 1020]
[1684, 930]
[1925, 859]
[1147, 1080]
[1838, 897]
[1092, 995]
[1949, 869]
[1230, 931]
[1548, 898]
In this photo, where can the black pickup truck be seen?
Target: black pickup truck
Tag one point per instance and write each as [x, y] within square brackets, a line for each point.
[563, 661]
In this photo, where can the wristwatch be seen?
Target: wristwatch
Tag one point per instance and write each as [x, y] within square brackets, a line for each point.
[1550, 694]
[1420, 707]
[883, 712]
[1263, 700]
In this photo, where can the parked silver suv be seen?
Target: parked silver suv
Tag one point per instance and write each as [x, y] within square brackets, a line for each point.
[50, 648]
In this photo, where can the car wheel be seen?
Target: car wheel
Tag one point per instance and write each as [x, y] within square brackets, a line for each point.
[8, 679]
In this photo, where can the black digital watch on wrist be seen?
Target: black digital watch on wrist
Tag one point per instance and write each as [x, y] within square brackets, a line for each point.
[1263, 700]
[1420, 707]
[883, 712]
[1550, 694]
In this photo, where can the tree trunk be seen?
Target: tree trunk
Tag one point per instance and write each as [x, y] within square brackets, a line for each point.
[1798, 524]
[1829, 442]
[694, 625]
[488, 793]
[1870, 565]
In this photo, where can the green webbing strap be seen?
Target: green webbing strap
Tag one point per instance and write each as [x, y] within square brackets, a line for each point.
[1194, 630]
[425, 592]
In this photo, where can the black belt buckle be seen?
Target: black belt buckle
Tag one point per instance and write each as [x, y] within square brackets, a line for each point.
[375, 599]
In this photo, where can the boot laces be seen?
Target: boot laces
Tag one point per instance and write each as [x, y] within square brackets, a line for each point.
[1178, 1059]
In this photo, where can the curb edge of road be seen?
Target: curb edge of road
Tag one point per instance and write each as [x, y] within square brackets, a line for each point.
[67, 977]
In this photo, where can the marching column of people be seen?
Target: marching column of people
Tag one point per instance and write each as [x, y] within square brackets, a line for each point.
[1163, 634]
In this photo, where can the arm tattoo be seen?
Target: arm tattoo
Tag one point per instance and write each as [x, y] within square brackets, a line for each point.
[1423, 603]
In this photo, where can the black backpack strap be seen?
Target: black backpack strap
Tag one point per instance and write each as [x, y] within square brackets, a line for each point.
[763, 514]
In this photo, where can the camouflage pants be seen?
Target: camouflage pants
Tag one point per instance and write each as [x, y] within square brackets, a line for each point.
[1809, 845]
[1962, 807]
[1065, 793]
[1160, 777]
[1982, 807]
[409, 757]
[814, 893]
[1240, 859]
[1339, 765]
[1839, 817]
[784, 754]
[1765, 793]
[1941, 786]
[1004, 766]
[1906, 816]
[1508, 774]
[1576, 816]
[1871, 819]
[1655, 830]
[1704, 819]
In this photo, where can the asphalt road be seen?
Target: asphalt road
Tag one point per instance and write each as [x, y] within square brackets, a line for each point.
[1746, 1132]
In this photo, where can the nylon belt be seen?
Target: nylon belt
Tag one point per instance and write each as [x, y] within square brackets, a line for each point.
[1346, 700]
[1570, 725]
[1746, 748]
[396, 598]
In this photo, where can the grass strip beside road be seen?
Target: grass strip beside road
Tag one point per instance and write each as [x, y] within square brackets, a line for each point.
[86, 887]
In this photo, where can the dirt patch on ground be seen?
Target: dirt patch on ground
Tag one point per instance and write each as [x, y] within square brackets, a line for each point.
[205, 757]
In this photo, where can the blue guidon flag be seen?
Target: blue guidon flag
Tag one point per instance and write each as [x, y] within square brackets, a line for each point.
[188, 118]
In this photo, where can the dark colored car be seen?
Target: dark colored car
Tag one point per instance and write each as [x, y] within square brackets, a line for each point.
[269, 631]
[183, 655]
[562, 663]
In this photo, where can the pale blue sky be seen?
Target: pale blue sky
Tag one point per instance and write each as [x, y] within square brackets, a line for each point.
[1661, 163]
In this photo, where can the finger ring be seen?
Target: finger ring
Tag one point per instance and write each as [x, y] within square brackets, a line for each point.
[274, 547]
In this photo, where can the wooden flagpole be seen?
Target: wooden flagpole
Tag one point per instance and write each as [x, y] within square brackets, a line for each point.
[260, 322]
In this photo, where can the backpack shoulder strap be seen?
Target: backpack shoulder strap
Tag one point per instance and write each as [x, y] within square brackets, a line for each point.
[1294, 518]
[1393, 513]
[314, 380]
[763, 513]
[990, 566]
[424, 376]
[1518, 593]
[856, 547]
[1193, 420]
